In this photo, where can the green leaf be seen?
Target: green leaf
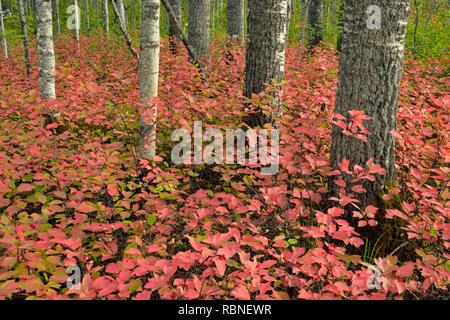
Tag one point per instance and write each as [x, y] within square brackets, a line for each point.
[151, 220]
[135, 286]
[433, 232]
[45, 227]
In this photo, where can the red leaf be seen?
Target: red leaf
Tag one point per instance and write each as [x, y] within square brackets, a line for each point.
[112, 190]
[221, 266]
[133, 251]
[25, 187]
[86, 208]
[241, 293]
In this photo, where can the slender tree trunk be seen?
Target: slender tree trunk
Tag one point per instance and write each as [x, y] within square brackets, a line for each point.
[105, 17]
[370, 71]
[181, 35]
[58, 25]
[124, 30]
[340, 24]
[76, 29]
[3, 34]
[305, 4]
[149, 71]
[86, 12]
[45, 49]
[199, 28]
[315, 28]
[235, 19]
[176, 7]
[265, 54]
[26, 46]
[121, 9]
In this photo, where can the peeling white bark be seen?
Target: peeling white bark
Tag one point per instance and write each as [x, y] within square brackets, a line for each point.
[45, 49]
[149, 72]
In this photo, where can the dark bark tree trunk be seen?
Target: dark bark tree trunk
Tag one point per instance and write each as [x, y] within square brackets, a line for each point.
[76, 29]
[26, 45]
[199, 28]
[315, 16]
[370, 71]
[58, 25]
[305, 5]
[176, 7]
[235, 19]
[265, 54]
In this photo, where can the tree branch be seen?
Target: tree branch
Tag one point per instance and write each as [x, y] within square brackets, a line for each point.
[174, 21]
[122, 28]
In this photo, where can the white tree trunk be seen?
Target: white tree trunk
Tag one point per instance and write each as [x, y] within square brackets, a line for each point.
[45, 49]
[2, 33]
[121, 9]
[149, 71]
[105, 17]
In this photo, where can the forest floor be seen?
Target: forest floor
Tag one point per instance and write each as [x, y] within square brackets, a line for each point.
[73, 192]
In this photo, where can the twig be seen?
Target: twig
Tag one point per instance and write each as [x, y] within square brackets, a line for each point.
[175, 23]
[399, 247]
[122, 28]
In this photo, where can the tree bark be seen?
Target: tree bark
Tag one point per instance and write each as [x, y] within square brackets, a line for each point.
[121, 10]
[105, 17]
[315, 16]
[181, 35]
[340, 24]
[199, 28]
[149, 72]
[86, 13]
[26, 45]
[265, 54]
[76, 29]
[305, 5]
[235, 19]
[123, 29]
[3, 34]
[58, 25]
[370, 71]
[45, 49]
[176, 7]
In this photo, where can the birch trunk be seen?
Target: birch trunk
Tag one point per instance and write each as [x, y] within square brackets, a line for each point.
[45, 49]
[121, 10]
[105, 17]
[149, 72]
[3, 34]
